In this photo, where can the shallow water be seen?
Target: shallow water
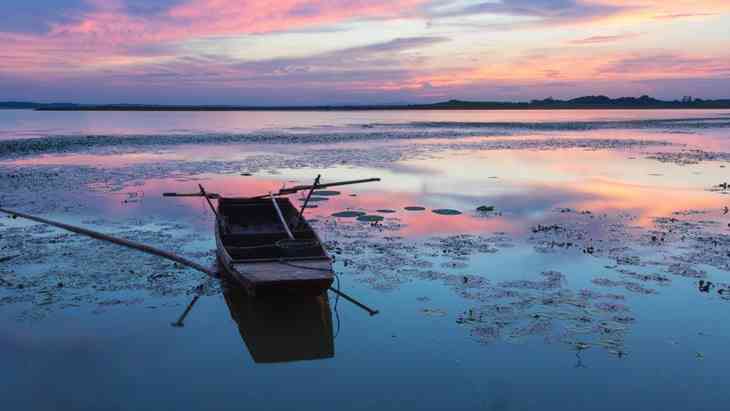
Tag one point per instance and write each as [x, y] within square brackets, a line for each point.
[595, 275]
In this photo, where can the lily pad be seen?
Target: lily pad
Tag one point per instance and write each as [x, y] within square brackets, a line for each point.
[370, 218]
[326, 193]
[434, 312]
[414, 208]
[317, 199]
[485, 209]
[446, 211]
[385, 211]
[348, 214]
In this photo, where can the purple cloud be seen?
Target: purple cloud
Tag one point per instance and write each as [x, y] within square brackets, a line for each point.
[551, 11]
[604, 39]
[669, 64]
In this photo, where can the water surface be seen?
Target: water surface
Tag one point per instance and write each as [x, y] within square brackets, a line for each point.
[596, 276]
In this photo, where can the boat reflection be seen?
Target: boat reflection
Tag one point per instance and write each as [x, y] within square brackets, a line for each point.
[282, 329]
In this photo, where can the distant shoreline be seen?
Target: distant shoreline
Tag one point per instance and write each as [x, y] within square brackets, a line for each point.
[580, 103]
[374, 108]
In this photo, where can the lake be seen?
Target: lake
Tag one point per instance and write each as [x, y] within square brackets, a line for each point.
[524, 260]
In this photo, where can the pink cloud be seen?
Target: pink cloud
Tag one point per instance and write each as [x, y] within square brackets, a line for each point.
[112, 44]
[668, 65]
[604, 39]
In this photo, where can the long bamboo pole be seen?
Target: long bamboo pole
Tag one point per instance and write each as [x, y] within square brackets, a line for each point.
[281, 217]
[154, 251]
[119, 241]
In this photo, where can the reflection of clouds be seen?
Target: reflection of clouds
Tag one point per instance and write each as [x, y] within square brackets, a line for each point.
[514, 308]
[581, 310]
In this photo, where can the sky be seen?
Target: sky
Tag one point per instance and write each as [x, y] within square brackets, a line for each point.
[304, 52]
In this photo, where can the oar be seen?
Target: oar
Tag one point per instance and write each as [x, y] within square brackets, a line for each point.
[281, 217]
[306, 201]
[199, 291]
[282, 192]
[119, 241]
[180, 321]
[207, 198]
[295, 189]
[354, 301]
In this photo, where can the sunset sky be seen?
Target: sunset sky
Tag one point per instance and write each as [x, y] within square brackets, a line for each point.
[360, 51]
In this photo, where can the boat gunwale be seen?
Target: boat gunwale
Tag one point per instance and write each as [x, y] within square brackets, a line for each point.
[277, 260]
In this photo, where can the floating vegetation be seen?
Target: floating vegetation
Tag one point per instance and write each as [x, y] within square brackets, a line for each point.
[628, 285]
[510, 307]
[689, 156]
[433, 312]
[327, 193]
[446, 211]
[7, 258]
[454, 265]
[349, 214]
[370, 218]
[65, 283]
[511, 310]
[314, 199]
[385, 211]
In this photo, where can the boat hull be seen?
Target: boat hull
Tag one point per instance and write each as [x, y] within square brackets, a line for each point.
[242, 274]
[251, 252]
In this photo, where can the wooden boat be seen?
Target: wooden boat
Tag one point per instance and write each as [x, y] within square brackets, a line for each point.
[282, 329]
[266, 246]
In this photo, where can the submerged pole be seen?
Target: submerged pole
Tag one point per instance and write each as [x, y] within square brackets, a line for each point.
[181, 321]
[354, 301]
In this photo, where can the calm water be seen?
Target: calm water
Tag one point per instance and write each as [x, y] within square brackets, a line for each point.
[597, 278]
[28, 123]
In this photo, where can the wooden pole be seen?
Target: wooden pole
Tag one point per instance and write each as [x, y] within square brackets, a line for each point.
[306, 201]
[292, 190]
[8, 258]
[283, 191]
[281, 217]
[354, 301]
[209, 195]
[210, 203]
[180, 321]
[119, 241]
